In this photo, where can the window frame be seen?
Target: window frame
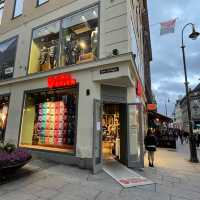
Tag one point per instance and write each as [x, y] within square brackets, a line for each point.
[45, 89]
[38, 4]
[60, 37]
[17, 39]
[2, 6]
[14, 9]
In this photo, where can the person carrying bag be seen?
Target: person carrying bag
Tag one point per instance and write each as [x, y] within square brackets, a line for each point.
[150, 145]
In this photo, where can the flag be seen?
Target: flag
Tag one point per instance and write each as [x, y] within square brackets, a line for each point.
[167, 27]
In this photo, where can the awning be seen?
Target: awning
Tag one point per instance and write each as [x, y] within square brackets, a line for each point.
[162, 118]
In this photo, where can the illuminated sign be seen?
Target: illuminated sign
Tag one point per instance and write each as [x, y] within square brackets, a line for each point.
[139, 89]
[61, 80]
[151, 107]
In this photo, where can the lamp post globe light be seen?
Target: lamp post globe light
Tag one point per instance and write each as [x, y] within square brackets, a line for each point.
[192, 139]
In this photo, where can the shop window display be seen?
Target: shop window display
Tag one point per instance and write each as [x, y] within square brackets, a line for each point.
[80, 37]
[44, 50]
[111, 131]
[49, 120]
[7, 58]
[4, 102]
[72, 40]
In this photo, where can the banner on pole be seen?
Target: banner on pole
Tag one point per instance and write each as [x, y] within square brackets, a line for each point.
[167, 27]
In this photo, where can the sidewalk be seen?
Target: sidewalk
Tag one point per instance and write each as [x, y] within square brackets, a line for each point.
[176, 179]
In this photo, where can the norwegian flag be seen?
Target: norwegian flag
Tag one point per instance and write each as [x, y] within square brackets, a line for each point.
[167, 27]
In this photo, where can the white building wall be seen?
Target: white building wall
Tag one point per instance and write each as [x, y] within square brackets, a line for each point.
[113, 27]
[135, 37]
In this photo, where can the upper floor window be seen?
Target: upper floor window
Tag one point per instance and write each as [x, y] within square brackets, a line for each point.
[7, 58]
[18, 9]
[69, 41]
[1, 10]
[40, 2]
[80, 37]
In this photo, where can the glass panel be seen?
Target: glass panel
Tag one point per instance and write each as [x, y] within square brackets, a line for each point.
[40, 2]
[49, 120]
[134, 147]
[4, 103]
[45, 48]
[19, 4]
[80, 37]
[1, 11]
[7, 58]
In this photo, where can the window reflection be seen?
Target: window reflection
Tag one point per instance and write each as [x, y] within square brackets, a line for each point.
[1, 10]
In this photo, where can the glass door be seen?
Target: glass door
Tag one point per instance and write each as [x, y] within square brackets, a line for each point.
[134, 135]
[97, 137]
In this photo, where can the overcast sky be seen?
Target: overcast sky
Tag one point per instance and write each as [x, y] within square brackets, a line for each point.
[167, 67]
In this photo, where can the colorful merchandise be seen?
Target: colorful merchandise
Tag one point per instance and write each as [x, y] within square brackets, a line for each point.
[55, 122]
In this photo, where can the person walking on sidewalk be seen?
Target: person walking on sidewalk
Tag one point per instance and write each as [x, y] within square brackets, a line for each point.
[150, 145]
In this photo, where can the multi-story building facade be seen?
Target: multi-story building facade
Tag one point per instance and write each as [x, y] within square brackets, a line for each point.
[178, 120]
[181, 110]
[72, 76]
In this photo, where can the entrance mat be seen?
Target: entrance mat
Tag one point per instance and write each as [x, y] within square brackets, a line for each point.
[125, 176]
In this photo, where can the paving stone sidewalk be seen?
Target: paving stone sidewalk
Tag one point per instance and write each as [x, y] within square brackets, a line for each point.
[176, 179]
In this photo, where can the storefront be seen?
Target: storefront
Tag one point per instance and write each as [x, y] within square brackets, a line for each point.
[120, 136]
[4, 105]
[74, 105]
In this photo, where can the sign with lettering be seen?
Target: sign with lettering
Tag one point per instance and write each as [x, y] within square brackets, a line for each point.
[109, 70]
[61, 80]
[9, 70]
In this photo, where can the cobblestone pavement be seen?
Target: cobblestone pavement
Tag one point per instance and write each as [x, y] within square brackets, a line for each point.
[176, 179]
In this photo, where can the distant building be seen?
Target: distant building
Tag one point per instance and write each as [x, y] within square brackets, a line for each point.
[181, 117]
[178, 116]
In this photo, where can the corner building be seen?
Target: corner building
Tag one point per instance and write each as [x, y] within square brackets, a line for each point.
[72, 77]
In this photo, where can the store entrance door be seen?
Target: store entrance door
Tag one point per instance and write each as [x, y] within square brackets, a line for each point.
[114, 132]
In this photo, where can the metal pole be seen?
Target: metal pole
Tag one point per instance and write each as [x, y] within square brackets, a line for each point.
[166, 109]
[192, 141]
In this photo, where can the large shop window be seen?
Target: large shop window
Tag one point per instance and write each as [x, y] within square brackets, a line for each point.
[49, 120]
[7, 58]
[72, 40]
[80, 37]
[44, 49]
[4, 103]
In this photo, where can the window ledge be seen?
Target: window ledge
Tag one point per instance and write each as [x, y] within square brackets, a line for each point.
[15, 17]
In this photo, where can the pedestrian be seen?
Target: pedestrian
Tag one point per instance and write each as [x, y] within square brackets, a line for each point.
[181, 136]
[150, 145]
[186, 136]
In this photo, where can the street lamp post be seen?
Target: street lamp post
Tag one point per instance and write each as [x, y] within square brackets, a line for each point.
[193, 150]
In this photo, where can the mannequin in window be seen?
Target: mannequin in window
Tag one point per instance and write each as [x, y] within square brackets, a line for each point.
[43, 58]
[94, 41]
[71, 49]
[52, 54]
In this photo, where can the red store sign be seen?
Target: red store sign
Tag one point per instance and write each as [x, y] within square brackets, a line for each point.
[61, 80]
[139, 89]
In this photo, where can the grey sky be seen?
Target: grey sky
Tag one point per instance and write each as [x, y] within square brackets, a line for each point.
[167, 67]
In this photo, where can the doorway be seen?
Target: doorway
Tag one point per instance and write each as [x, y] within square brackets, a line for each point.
[114, 132]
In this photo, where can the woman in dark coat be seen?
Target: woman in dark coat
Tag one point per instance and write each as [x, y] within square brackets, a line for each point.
[150, 145]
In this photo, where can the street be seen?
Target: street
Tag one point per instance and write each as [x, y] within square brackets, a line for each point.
[175, 178]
